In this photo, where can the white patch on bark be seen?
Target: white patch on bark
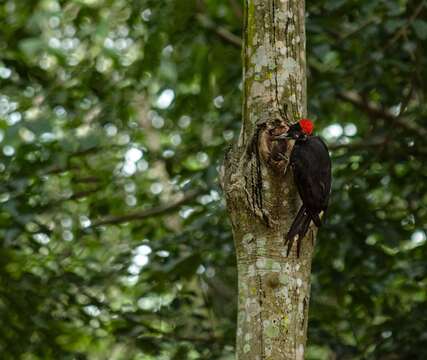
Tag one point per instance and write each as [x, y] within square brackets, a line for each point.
[267, 83]
[260, 58]
[257, 90]
[300, 352]
[260, 263]
[251, 270]
[290, 65]
[284, 278]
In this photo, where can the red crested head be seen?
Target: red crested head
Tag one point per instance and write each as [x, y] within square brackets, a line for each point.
[307, 126]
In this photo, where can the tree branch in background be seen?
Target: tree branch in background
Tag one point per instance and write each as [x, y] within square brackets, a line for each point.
[375, 111]
[82, 194]
[237, 8]
[155, 211]
[358, 145]
[222, 32]
[402, 31]
[368, 107]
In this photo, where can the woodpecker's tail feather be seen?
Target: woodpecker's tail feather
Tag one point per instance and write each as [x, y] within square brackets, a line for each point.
[304, 226]
[298, 229]
[296, 225]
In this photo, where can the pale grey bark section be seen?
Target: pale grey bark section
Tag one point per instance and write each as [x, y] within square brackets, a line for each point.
[261, 198]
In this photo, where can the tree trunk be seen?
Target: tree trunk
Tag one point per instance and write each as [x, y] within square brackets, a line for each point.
[262, 199]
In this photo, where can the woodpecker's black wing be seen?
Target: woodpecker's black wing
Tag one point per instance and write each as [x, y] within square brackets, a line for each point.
[311, 165]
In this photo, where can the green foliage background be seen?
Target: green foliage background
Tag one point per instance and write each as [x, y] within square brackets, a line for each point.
[114, 115]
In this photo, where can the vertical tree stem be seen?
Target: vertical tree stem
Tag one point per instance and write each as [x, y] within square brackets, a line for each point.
[262, 200]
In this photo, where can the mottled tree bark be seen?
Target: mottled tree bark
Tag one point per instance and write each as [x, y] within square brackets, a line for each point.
[261, 197]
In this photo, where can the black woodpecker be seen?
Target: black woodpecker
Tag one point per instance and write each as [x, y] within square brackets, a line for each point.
[311, 166]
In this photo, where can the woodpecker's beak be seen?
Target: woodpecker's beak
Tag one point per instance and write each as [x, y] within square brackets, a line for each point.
[283, 136]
